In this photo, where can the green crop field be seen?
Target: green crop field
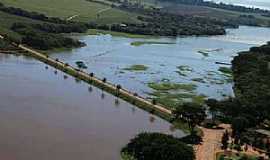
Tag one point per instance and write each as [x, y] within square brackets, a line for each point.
[84, 10]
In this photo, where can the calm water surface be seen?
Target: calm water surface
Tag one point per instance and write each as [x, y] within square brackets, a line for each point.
[46, 117]
[107, 56]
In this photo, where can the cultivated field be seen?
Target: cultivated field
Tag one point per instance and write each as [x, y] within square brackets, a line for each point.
[86, 11]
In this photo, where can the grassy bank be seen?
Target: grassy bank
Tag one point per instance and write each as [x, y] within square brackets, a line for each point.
[140, 43]
[117, 34]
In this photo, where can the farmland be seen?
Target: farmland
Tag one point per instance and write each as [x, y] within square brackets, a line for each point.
[86, 11]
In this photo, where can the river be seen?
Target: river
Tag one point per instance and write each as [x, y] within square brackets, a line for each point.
[45, 115]
[108, 57]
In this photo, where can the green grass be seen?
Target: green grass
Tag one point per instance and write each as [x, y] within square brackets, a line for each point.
[183, 70]
[86, 11]
[137, 67]
[233, 156]
[173, 95]
[126, 156]
[174, 100]
[7, 20]
[140, 43]
[225, 70]
[117, 34]
[165, 86]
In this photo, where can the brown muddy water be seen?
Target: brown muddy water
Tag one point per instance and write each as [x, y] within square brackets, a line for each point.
[44, 116]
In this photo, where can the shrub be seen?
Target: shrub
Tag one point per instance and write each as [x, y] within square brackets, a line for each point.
[157, 146]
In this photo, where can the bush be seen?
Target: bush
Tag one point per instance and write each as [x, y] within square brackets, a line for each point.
[42, 40]
[156, 146]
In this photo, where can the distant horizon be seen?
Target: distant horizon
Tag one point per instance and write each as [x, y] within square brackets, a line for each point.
[262, 4]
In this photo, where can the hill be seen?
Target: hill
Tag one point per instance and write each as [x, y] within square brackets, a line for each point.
[82, 10]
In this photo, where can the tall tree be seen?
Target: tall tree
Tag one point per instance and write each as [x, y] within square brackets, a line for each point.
[192, 113]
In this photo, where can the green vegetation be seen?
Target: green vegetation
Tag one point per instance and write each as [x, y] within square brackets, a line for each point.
[173, 95]
[125, 156]
[172, 86]
[86, 11]
[201, 80]
[192, 113]
[166, 24]
[37, 30]
[137, 67]
[183, 70]
[156, 146]
[233, 156]
[217, 78]
[140, 43]
[225, 70]
[42, 40]
[4, 45]
[250, 106]
[118, 34]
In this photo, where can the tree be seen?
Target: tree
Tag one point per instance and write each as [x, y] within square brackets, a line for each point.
[224, 140]
[192, 113]
[157, 146]
[104, 80]
[213, 107]
[239, 124]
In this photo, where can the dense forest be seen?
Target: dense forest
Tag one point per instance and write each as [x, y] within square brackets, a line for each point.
[155, 22]
[5, 45]
[250, 107]
[44, 34]
[252, 86]
[43, 40]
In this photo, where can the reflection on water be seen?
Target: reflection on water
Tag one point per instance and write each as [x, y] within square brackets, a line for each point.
[45, 117]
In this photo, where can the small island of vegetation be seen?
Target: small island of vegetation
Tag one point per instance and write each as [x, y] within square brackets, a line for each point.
[137, 67]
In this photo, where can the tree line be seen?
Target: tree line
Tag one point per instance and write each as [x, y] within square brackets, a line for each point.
[32, 15]
[250, 106]
[39, 39]
[221, 6]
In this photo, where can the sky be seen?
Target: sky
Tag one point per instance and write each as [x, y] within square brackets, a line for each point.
[263, 4]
